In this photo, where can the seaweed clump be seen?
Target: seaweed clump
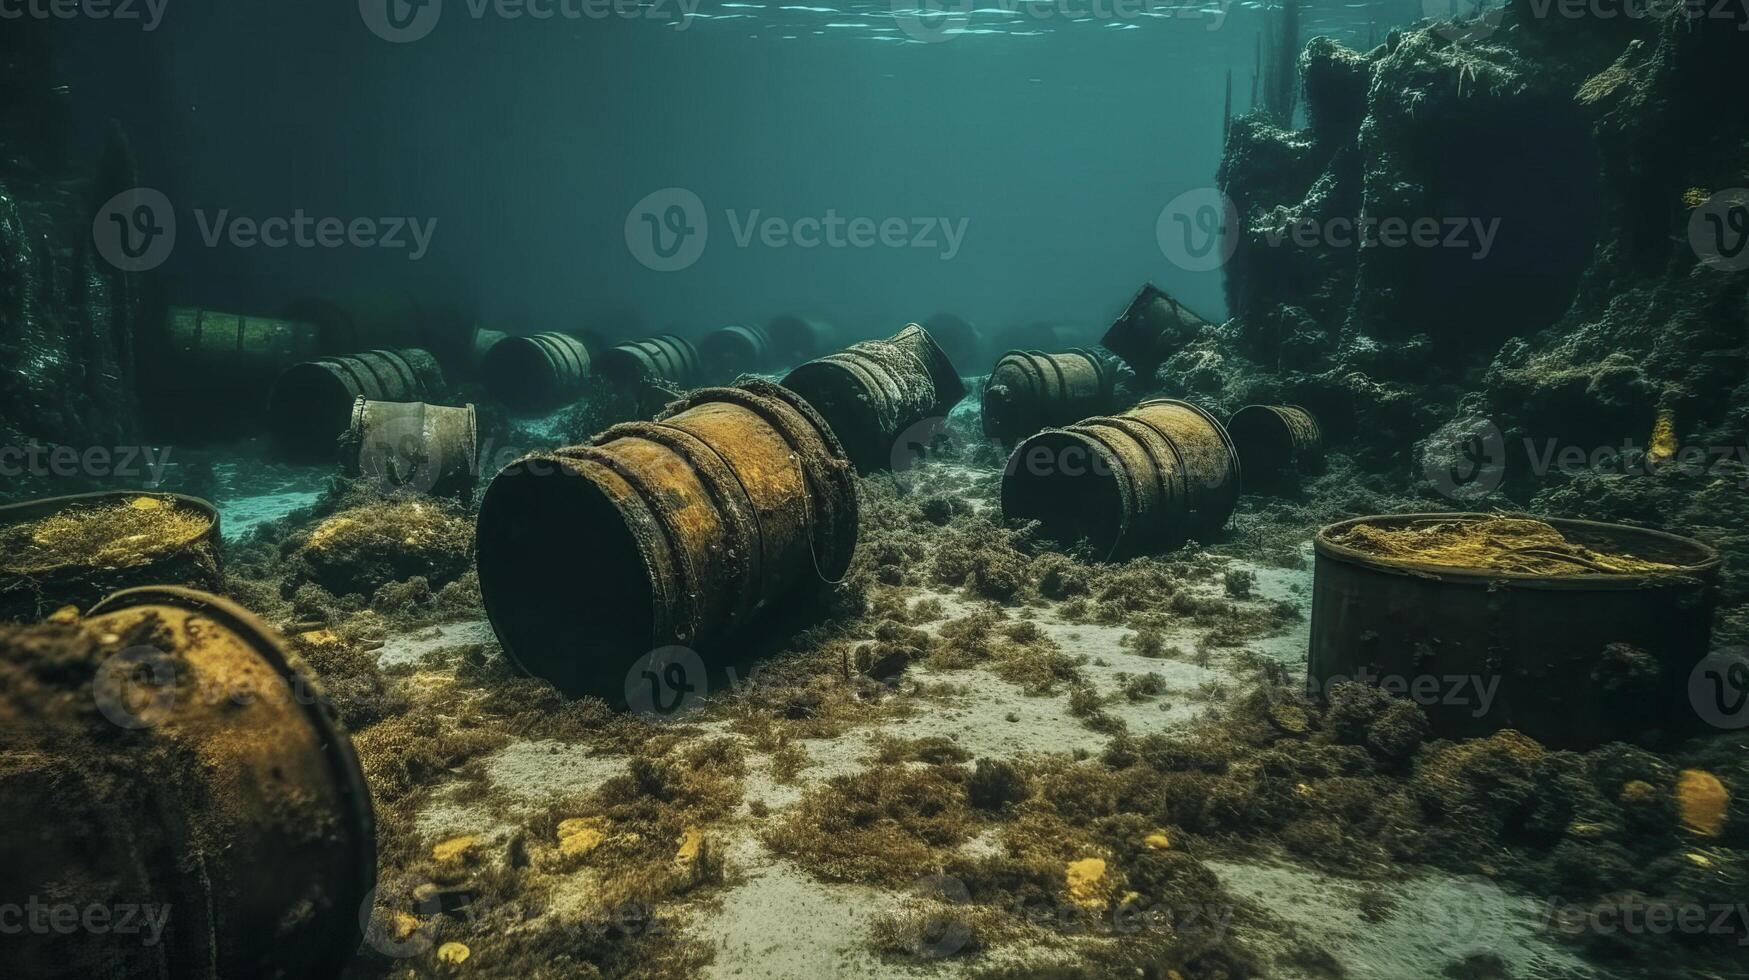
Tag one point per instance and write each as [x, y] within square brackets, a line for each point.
[360, 550]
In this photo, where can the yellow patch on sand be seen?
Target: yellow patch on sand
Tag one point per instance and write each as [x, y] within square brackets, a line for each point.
[1701, 800]
[1158, 841]
[454, 848]
[690, 841]
[319, 638]
[1636, 792]
[580, 836]
[453, 954]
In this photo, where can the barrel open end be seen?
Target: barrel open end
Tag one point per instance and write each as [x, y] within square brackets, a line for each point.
[563, 577]
[308, 410]
[512, 372]
[1067, 483]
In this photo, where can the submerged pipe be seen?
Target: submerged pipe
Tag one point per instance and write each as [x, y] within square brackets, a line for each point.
[430, 449]
[1150, 330]
[1274, 441]
[1142, 482]
[536, 374]
[665, 533]
[209, 350]
[667, 358]
[312, 402]
[1030, 390]
[173, 754]
[729, 352]
[872, 392]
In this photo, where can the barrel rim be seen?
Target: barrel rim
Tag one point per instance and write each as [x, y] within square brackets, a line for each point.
[30, 510]
[1707, 568]
[336, 743]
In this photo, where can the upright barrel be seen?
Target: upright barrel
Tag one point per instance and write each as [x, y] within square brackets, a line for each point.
[677, 532]
[795, 339]
[168, 755]
[667, 358]
[1274, 442]
[536, 374]
[75, 550]
[431, 449]
[1571, 660]
[959, 338]
[872, 392]
[311, 406]
[729, 352]
[1151, 329]
[1142, 482]
[1031, 390]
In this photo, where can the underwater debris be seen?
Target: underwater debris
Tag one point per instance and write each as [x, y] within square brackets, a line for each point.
[1029, 390]
[1502, 543]
[311, 404]
[726, 353]
[667, 359]
[75, 550]
[1274, 442]
[413, 446]
[535, 374]
[1153, 328]
[360, 550]
[875, 392]
[229, 742]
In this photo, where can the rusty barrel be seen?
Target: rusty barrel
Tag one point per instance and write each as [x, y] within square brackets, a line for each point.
[960, 340]
[536, 374]
[1031, 390]
[677, 532]
[168, 755]
[1142, 482]
[872, 392]
[1572, 661]
[430, 449]
[73, 551]
[729, 352]
[1275, 441]
[666, 359]
[1151, 329]
[311, 405]
[795, 339]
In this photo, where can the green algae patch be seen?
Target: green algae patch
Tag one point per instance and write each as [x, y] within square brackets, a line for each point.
[118, 534]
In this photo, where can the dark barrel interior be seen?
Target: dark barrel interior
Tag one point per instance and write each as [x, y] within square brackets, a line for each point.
[311, 407]
[1069, 484]
[517, 372]
[563, 579]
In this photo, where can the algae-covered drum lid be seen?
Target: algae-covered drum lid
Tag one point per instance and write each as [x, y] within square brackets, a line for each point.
[75, 550]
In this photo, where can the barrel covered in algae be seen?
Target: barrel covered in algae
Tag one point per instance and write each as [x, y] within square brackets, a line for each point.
[1142, 482]
[679, 532]
[74, 550]
[167, 760]
[1574, 633]
[311, 405]
[532, 375]
[1031, 390]
[873, 392]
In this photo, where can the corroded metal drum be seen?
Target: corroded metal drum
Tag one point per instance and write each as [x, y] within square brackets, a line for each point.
[1274, 442]
[1571, 660]
[1031, 390]
[168, 761]
[678, 532]
[729, 352]
[412, 446]
[536, 374]
[1142, 482]
[73, 551]
[872, 392]
[666, 359]
[1151, 329]
[312, 402]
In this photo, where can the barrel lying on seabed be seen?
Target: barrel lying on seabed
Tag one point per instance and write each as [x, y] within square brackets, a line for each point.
[536, 374]
[1031, 390]
[75, 550]
[873, 392]
[666, 359]
[311, 405]
[1142, 482]
[1152, 328]
[431, 449]
[168, 754]
[1573, 632]
[729, 352]
[1275, 442]
[661, 534]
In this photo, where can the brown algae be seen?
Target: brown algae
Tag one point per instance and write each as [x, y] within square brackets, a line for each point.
[119, 534]
[1501, 543]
